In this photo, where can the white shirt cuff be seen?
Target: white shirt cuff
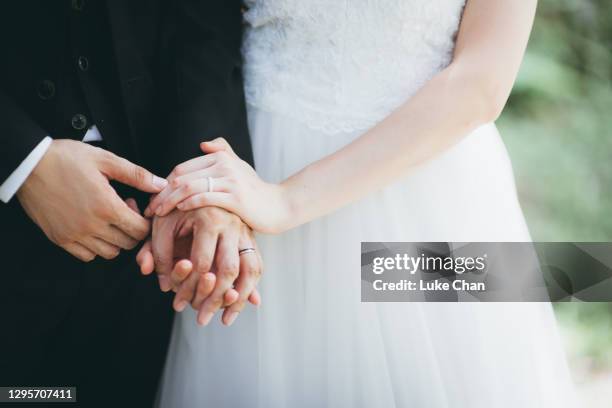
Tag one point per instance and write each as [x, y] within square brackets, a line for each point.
[21, 173]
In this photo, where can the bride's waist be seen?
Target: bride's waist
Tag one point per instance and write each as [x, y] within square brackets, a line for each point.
[326, 105]
[323, 114]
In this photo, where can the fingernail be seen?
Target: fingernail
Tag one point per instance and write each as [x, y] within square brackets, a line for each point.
[163, 284]
[180, 206]
[181, 305]
[231, 318]
[159, 182]
[203, 320]
[158, 211]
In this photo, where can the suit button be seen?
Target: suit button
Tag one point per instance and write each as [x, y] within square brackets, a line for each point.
[77, 5]
[46, 89]
[83, 63]
[79, 121]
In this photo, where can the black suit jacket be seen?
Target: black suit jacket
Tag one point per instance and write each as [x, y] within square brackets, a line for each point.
[156, 77]
[176, 70]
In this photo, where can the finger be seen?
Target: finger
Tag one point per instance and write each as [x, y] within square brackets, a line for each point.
[79, 251]
[178, 194]
[212, 171]
[203, 249]
[250, 273]
[226, 201]
[164, 283]
[178, 182]
[126, 172]
[144, 258]
[180, 272]
[101, 247]
[162, 247]
[186, 288]
[230, 297]
[115, 236]
[192, 165]
[205, 286]
[216, 145]
[255, 298]
[234, 308]
[157, 199]
[148, 212]
[188, 189]
[130, 222]
[228, 264]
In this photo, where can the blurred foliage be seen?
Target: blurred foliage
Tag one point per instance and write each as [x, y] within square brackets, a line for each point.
[587, 332]
[557, 127]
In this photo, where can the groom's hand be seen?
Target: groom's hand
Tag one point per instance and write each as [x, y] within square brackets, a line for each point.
[68, 195]
[195, 253]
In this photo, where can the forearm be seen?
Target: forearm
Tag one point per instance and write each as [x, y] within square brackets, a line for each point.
[472, 91]
[443, 112]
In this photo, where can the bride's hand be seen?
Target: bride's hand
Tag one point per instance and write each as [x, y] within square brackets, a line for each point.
[236, 187]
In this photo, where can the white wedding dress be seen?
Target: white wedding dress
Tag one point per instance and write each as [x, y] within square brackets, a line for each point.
[318, 74]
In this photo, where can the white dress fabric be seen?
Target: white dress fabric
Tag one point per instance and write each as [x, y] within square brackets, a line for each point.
[318, 74]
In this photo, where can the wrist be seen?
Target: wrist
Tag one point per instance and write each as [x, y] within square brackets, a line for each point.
[37, 171]
[18, 178]
[292, 206]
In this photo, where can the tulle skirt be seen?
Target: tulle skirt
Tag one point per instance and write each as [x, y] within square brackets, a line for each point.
[313, 343]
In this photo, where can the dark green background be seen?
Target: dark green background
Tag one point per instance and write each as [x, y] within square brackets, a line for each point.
[557, 129]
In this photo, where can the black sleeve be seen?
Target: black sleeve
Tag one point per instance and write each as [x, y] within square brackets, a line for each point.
[19, 135]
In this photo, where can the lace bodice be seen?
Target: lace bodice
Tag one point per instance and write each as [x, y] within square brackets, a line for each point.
[343, 65]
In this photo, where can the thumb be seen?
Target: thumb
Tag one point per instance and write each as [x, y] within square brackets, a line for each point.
[144, 258]
[126, 172]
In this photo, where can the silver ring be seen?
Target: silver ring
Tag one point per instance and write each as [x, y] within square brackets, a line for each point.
[245, 251]
[211, 184]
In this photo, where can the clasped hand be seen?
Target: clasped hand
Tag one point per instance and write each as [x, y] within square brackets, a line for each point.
[69, 196]
[198, 231]
[237, 188]
[196, 254]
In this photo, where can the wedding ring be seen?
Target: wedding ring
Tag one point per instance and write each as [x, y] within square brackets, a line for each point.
[211, 184]
[245, 251]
